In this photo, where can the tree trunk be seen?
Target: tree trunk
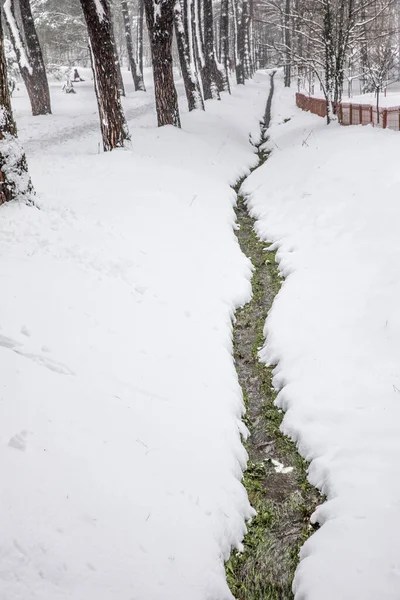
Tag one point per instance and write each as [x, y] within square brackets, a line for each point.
[114, 129]
[246, 39]
[140, 41]
[224, 42]
[29, 54]
[241, 40]
[252, 54]
[160, 23]
[210, 66]
[199, 48]
[186, 58]
[329, 59]
[121, 87]
[288, 47]
[15, 183]
[136, 75]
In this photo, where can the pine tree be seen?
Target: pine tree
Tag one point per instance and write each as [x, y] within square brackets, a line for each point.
[239, 41]
[183, 33]
[160, 23]
[210, 74]
[136, 74]
[140, 39]
[15, 183]
[112, 120]
[224, 41]
[29, 54]
[121, 87]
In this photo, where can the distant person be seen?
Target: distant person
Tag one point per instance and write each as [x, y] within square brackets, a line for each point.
[77, 77]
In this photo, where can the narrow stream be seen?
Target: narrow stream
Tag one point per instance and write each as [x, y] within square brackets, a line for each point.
[276, 476]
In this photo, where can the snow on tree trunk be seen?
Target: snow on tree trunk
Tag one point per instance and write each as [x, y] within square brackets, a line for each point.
[288, 47]
[189, 73]
[252, 53]
[121, 87]
[241, 39]
[112, 120]
[160, 24]
[29, 54]
[140, 41]
[329, 59]
[210, 67]
[245, 59]
[15, 183]
[224, 42]
[199, 48]
[136, 74]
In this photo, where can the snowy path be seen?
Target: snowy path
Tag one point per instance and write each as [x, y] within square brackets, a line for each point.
[120, 450]
[74, 121]
[77, 131]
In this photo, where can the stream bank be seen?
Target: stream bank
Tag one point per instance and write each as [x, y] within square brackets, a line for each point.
[276, 476]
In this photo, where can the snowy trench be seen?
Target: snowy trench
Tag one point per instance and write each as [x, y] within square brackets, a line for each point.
[121, 455]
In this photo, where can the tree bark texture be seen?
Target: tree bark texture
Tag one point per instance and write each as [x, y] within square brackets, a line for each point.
[198, 46]
[186, 58]
[241, 42]
[121, 87]
[15, 183]
[160, 23]
[29, 54]
[288, 47]
[252, 53]
[245, 25]
[140, 40]
[224, 42]
[136, 75]
[210, 75]
[329, 58]
[114, 129]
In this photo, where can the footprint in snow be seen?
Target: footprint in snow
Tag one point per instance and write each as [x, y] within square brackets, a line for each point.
[44, 361]
[19, 441]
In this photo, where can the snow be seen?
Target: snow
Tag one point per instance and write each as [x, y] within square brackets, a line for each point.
[328, 199]
[392, 98]
[11, 22]
[120, 448]
[99, 9]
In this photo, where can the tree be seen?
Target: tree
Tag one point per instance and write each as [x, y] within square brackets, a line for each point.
[140, 38]
[15, 183]
[121, 87]
[245, 39]
[160, 23]
[288, 45]
[61, 30]
[136, 74]
[112, 120]
[210, 74]
[329, 31]
[240, 41]
[224, 41]
[380, 63]
[186, 57]
[29, 54]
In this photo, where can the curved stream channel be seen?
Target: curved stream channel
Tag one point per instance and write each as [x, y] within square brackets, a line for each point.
[276, 476]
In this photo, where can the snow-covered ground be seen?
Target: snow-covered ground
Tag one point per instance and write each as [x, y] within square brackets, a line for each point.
[389, 99]
[120, 449]
[328, 198]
